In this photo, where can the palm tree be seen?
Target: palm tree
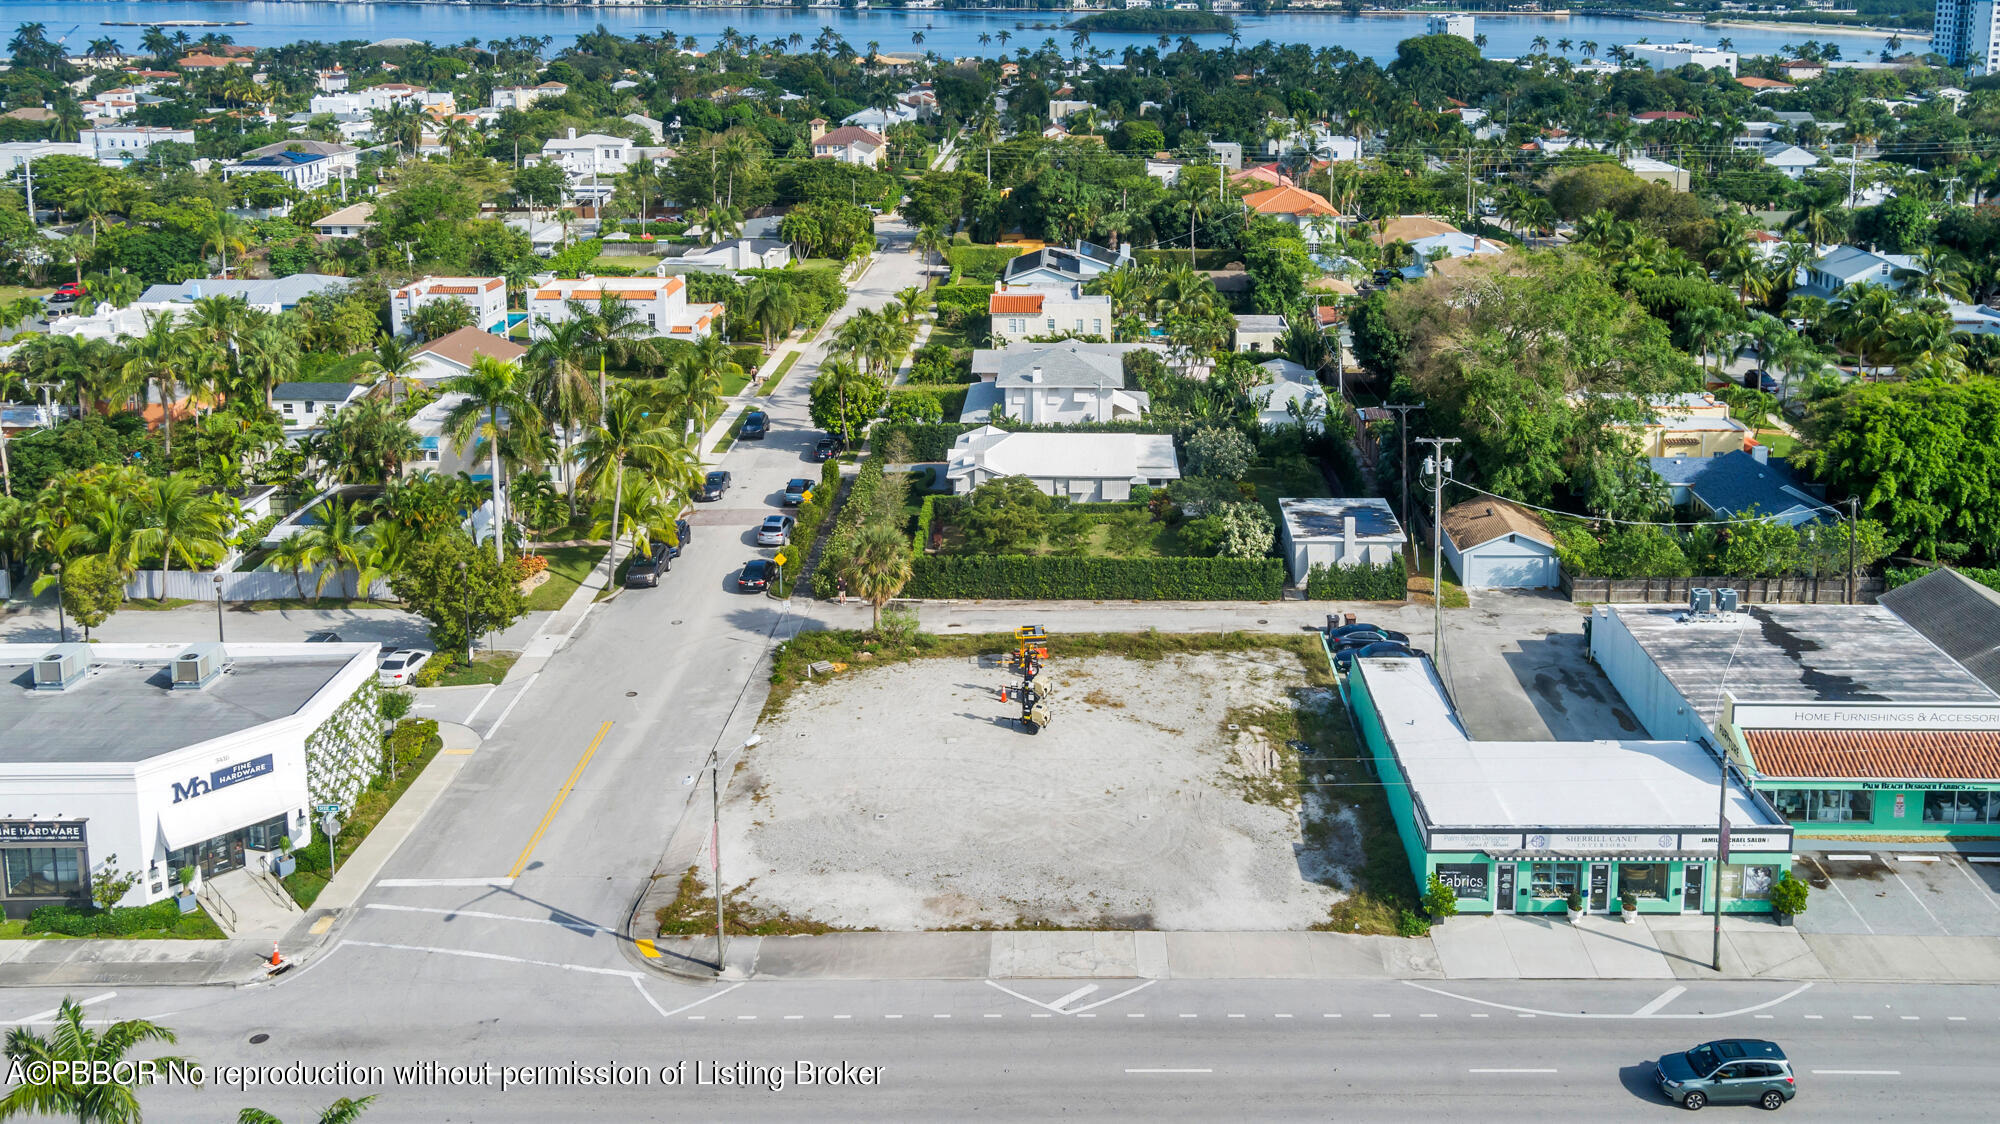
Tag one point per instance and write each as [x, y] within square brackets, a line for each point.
[1707, 327]
[607, 328]
[335, 542]
[496, 397]
[392, 362]
[1820, 216]
[561, 390]
[156, 357]
[268, 356]
[346, 1110]
[879, 567]
[180, 520]
[223, 234]
[841, 375]
[627, 435]
[773, 304]
[109, 1096]
[1863, 318]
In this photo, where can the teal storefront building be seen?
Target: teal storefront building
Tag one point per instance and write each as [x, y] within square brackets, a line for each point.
[1516, 827]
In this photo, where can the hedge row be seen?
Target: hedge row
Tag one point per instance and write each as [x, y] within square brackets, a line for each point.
[860, 498]
[1203, 259]
[805, 530]
[1389, 581]
[409, 741]
[1024, 577]
[930, 442]
[116, 922]
[980, 263]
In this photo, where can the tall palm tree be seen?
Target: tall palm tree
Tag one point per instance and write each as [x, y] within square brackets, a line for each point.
[112, 1098]
[630, 437]
[879, 567]
[496, 397]
[180, 520]
[393, 361]
[773, 305]
[608, 327]
[156, 358]
[346, 1110]
[562, 391]
[224, 233]
[269, 356]
[1863, 319]
[335, 542]
[842, 375]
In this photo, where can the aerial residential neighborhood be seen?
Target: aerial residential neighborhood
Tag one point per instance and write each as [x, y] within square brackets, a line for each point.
[925, 560]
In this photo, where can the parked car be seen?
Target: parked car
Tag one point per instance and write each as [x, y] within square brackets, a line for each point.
[713, 485]
[1759, 379]
[323, 638]
[1335, 631]
[757, 574]
[1345, 658]
[400, 666]
[796, 490]
[1729, 1071]
[684, 531]
[828, 447]
[67, 293]
[1366, 637]
[645, 569]
[775, 531]
[756, 426]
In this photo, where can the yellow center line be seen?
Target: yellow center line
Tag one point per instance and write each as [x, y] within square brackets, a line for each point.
[555, 806]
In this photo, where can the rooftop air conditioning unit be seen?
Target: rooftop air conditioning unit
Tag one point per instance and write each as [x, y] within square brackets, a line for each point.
[1701, 599]
[198, 666]
[1726, 599]
[61, 666]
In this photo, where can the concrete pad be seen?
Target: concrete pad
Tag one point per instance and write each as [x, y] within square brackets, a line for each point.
[873, 956]
[1621, 951]
[1472, 947]
[1545, 949]
[1970, 959]
[1774, 954]
[1848, 957]
[1062, 955]
[1237, 956]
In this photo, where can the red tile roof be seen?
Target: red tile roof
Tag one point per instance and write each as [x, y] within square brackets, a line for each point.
[1663, 115]
[1006, 304]
[851, 135]
[1755, 83]
[1289, 201]
[1885, 754]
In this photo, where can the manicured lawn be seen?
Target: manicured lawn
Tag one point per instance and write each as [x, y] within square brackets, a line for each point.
[16, 292]
[147, 603]
[568, 566]
[778, 375]
[1780, 444]
[1420, 581]
[954, 338]
[305, 883]
[733, 385]
[487, 667]
[642, 262]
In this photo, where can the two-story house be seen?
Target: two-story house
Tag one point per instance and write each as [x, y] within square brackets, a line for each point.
[1057, 384]
[115, 146]
[1032, 312]
[592, 154]
[1062, 266]
[310, 405]
[521, 97]
[486, 297]
[303, 170]
[848, 144]
[661, 303]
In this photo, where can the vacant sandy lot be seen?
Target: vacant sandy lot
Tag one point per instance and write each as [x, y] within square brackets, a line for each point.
[903, 797]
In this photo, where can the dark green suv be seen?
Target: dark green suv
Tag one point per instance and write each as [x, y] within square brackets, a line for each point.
[1731, 1071]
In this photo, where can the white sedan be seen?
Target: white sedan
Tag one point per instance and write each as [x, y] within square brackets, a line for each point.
[399, 667]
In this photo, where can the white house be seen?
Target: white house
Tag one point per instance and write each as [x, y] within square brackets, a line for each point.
[848, 144]
[1671, 56]
[485, 296]
[1027, 313]
[369, 100]
[312, 404]
[1338, 532]
[1057, 384]
[1086, 467]
[1851, 265]
[1492, 544]
[331, 81]
[1790, 159]
[118, 145]
[174, 755]
[1257, 332]
[725, 257]
[1291, 383]
[592, 154]
[521, 97]
[1063, 266]
[348, 222]
[1450, 23]
[303, 170]
[451, 355]
[661, 302]
[1446, 246]
[341, 159]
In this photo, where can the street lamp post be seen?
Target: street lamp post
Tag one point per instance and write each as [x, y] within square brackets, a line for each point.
[62, 625]
[715, 839]
[218, 608]
[1721, 854]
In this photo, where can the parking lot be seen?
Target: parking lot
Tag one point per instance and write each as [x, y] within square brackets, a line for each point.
[1892, 890]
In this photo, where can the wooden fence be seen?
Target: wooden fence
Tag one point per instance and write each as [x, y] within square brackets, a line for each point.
[1752, 591]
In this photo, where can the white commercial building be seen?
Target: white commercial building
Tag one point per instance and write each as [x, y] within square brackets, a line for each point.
[661, 302]
[1670, 56]
[1338, 532]
[146, 758]
[1450, 23]
[1086, 467]
[485, 296]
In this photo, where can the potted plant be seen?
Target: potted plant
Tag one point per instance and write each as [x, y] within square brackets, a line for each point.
[1575, 904]
[1628, 907]
[282, 863]
[184, 878]
[1788, 898]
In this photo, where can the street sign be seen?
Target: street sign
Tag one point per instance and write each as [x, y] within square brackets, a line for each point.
[326, 808]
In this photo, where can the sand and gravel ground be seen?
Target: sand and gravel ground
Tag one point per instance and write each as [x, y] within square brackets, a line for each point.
[904, 797]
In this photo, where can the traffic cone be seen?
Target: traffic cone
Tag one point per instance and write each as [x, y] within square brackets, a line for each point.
[275, 958]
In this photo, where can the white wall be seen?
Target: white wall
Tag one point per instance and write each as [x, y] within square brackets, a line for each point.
[1658, 706]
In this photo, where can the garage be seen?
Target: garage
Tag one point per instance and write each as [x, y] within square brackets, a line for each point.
[1493, 544]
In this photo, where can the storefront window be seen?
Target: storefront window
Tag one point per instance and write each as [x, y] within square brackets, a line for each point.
[1748, 883]
[1553, 880]
[265, 836]
[1959, 807]
[42, 871]
[1824, 805]
[1643, 880]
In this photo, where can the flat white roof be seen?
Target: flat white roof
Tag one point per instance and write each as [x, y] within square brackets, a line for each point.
[1460, 783]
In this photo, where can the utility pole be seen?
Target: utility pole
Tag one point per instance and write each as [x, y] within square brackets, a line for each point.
[1853, 164]
[1853, 532]
[1403, 459]
[714, 765]
[1468, 187]
[29, 166]
[1439, 467]
[1721, 854]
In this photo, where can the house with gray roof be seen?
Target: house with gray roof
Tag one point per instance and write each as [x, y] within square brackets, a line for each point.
[1851, 265]
[1085, 467]
[1060, 266]
[308, 405]
[1738, 485]
[1959, 615]
[1338, 532]
[1057, 384]
[271, 295]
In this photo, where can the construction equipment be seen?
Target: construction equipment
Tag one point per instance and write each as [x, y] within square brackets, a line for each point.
[1031, 651]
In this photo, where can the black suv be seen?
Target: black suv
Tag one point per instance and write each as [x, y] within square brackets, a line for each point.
[645, 570]
[713, 485]
[828, 447]
[756, 426]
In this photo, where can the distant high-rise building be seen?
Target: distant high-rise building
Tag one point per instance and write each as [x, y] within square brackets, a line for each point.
[1459, 24]
[1967, 34]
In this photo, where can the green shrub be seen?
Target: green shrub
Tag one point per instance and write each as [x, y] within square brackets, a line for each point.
[1904, 575]
[249, 537]
[1389, 581]
[930, 442]
[1789, 895]
[408, 742]
[980, 263]
[1410, 924]
[62, 920]
[1440, 900]
[1025, 577]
